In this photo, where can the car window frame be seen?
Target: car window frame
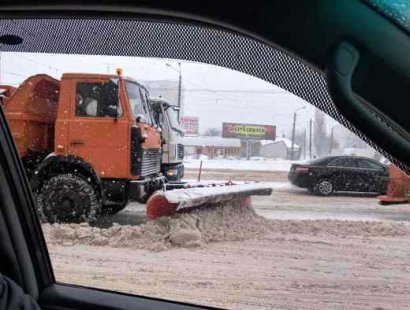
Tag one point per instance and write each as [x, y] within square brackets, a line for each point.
[27, 14]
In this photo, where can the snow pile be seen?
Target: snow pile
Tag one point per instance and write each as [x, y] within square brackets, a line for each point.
[243, 165]
[233, 221]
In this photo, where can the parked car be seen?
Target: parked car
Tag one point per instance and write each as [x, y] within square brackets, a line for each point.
[331, 174]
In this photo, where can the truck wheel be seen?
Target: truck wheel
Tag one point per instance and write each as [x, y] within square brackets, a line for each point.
[324, 187]
[68, 198]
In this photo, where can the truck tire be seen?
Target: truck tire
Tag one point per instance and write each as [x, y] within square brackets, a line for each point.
[68, 198]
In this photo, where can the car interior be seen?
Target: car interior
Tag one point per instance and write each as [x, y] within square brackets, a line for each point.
[349, 58]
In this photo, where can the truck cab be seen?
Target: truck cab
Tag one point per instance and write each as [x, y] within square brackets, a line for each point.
[88, 142]
[166, 117]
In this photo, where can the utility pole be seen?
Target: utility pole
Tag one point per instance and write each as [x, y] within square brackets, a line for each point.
[179, 90]
[304, 143]
[292, 149]
[331, 142]
[310, 139]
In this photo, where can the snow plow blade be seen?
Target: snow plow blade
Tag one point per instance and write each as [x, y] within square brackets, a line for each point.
[165, 203]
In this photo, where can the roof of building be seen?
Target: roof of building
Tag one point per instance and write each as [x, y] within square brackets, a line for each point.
[211, 141]
[286, 141]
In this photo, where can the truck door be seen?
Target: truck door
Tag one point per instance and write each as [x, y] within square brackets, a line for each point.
[98, 129]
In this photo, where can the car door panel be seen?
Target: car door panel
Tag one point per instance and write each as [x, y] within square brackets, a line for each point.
[343, 174]
[68, 297]
[373, 176]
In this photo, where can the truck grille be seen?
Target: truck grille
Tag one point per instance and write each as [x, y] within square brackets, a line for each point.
[144, 162]
[150, 162]
[180, 151]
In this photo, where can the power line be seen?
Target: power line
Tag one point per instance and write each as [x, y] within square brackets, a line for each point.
[38, 63]
[13, 73]
[257, 91]
[208, 90]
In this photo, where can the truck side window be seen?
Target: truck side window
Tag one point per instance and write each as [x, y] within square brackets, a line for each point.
[97, 99]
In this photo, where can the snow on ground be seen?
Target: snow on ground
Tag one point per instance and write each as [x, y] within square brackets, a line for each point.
[279, 186]
[231, 220]
[233, 258]
[245, 165]
[291, 250]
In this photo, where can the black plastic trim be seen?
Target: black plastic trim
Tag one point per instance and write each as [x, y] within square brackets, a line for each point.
[59, 296]
[26, 218]
[386, 133]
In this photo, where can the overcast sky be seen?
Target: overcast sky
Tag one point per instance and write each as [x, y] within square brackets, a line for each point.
[214, 94]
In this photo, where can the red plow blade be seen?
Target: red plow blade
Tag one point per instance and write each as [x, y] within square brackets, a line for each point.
[165, 203]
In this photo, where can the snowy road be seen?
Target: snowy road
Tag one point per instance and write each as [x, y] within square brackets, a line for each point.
[305, 252]
[290, 202]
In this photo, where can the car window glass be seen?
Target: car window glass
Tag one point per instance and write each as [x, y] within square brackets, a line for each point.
[369, 164]
[343, 162]
[226, 130]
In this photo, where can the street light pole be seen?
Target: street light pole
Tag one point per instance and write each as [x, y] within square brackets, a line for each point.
[179, 86]
[179, 90]
[331, 142]
[292, 149]
[310, 139]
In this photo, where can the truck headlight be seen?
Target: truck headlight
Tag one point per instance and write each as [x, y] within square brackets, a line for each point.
[172, 172]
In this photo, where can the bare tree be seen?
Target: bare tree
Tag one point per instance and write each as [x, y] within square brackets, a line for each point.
[213, 132]
[320, 140]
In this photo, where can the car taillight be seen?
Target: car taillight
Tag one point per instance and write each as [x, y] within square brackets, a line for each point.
[302, 170]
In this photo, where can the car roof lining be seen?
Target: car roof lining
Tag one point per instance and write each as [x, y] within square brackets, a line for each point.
[169, 39]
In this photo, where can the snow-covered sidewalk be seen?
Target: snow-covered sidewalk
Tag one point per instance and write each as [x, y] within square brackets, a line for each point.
[245, 165]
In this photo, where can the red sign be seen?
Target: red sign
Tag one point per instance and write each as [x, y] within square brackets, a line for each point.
[248, 131]
[190, 125]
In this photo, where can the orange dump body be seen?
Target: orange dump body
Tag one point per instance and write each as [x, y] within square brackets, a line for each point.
[31, 112]
[6, 91]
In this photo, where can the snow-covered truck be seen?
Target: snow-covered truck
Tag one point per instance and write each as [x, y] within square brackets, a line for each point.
[166, 117]
[86, 142]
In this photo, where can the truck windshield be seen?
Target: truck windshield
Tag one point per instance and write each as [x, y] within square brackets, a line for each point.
[172, 114]
[137, 100]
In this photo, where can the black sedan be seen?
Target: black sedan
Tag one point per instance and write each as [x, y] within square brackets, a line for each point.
[340, 173]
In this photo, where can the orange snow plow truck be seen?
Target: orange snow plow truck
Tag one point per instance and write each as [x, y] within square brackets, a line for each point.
[86, 142]
[89, 145]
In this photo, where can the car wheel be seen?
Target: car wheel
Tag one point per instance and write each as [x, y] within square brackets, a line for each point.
[324, 187]
[67, 198]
